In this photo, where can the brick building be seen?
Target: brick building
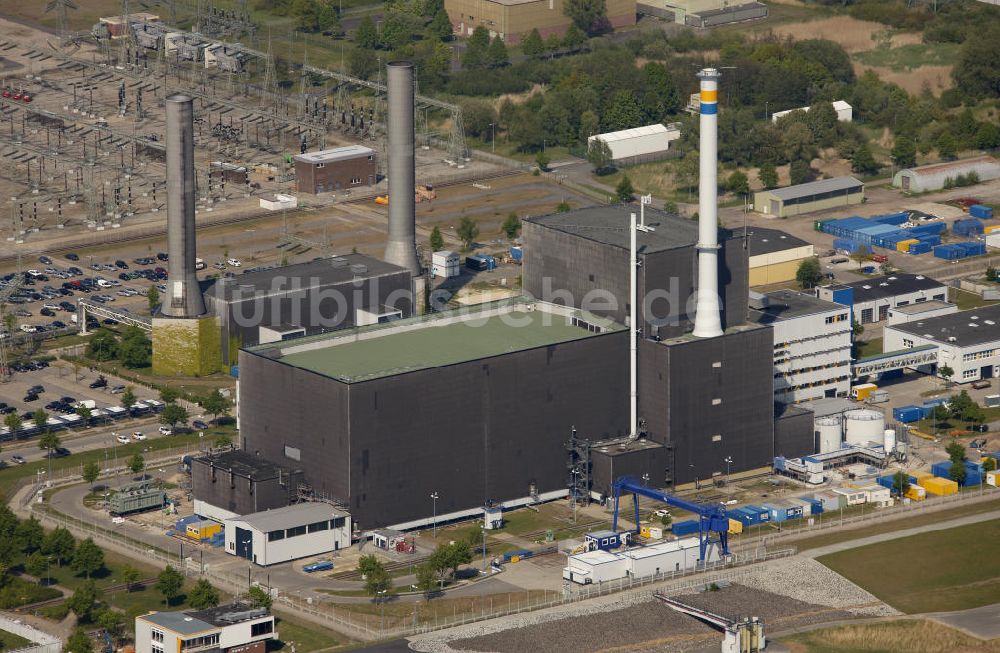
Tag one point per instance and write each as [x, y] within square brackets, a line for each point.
[513, 20]
[336, 169]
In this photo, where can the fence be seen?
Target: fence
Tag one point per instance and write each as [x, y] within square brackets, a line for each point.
[41, 642]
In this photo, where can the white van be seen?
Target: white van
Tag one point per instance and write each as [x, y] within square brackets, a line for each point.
[29, 328]
[199, 264]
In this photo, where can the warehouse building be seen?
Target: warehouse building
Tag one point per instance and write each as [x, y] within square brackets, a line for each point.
[232, 628]
[283, 534]
[919, 312]
[235, 483]
[640, 144]
[475, 404]
[775, 256]
[586, 266]
[968, 341]
[512, 20]
[318, 296]
[845, 112]
[702, 13]
[936, 176]
[812, 345]
[871, 299]
[333, 170]
[813, 196]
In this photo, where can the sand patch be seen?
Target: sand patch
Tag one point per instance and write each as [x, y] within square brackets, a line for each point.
[937, 77]
[852, 34]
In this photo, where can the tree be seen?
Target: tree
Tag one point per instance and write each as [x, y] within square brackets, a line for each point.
[136, 463]
[532, 45]
[863, 161]
[13, 422]
[128, 397]
[169, 584]
[436, 239]
[203, 595]
[496, 54]
[900, 483]
[623, 111]
[991, 273]
[451, 556]
[440, 26]
[590, 125]
[215, 404]
[29, 535]
[589, 16]
[563, 207]
[135, 349]
[152, 298]
[904, 152]
[990, 464]
[59, 544]
[426, 578]
[955, 451]
[173, 415]
[939, 415]
[84, 413]
[103, 345]
[88, 558]
[738, 183]
[366, 36]
[83, 603]
[467, 232]
[259, 598]
[169, 395]
[800, 172]
[378, 582]
[362, 63]
[79, 642]
[49, 442]
[624, 190]
[768, 176]
[542, 160]
[129, 576]
[809, 273]
[476, 53]
[977, 71]
[41, 419]
[957, 472]
[599, 155]
[553, 43]
[857, 329]
[511, 226]
[946, 372]
[36, 565]
[573, 37]
[112, 623]
[90, 473]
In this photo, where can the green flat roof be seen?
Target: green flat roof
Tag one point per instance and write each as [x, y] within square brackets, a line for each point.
[437, 346]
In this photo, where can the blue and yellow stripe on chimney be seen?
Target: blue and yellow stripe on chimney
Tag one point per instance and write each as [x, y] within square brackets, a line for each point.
[709, 101]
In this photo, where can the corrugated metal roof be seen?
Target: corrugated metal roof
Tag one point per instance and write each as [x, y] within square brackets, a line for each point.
[638, 141]
[335, 154]
[299, 514]
[816, 187]
[957, 167]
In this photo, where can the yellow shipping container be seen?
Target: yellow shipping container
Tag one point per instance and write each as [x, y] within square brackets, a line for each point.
[203, 530]
[644, 530]
[861, 392]
[916, 493]
[991, 228]
[904, 245]
[919, 475]
[735, 527]
[939, 486]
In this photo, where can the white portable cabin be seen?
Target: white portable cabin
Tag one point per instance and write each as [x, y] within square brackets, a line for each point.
[877, 494]
[446, 264]
[666, 557]
[855, 496]
[595, 567]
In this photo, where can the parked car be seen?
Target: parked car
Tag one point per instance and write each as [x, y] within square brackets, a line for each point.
[162, 256]
[18, 459]
[166, 430]
[982, 384]
[71, 256]
[198, 424]
[122, 438]
[99, 382]
[28, 398]
[118, 389]
[138, 436]
[45, 260]
[235, 262]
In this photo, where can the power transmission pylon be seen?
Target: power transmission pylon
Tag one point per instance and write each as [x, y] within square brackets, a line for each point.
[60, 7]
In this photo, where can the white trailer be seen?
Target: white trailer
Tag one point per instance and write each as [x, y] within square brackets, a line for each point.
[594, 567]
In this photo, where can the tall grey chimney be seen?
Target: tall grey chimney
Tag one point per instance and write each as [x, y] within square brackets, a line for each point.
[183, 297]
[401, 247]
[708, 311]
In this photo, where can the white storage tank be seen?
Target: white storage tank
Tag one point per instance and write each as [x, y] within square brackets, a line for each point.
[890, 440]
[864, 425]
[829, 433]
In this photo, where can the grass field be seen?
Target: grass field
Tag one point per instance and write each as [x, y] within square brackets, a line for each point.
[869, 347]
[10, 641]
[953, 569]
[910, 56]
[911, 635]
[304, 638]
[966, 300]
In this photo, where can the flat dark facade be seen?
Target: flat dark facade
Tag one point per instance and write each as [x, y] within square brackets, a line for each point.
[335, 170]
[794, 434]
[636, 459]
[580, 258]
[490, 429]
[319, 296]
[708, 399]
[243, 483]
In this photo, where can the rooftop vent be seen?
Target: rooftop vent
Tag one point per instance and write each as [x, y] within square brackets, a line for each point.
[892, 278]
[952, 339]
[973, 324]
[359, 269]
[883, 284]
[338, 262]
[919, 276]
[867, 287]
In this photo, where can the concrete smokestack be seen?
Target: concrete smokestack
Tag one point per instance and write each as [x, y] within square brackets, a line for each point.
[183, 298]
[708, 312]
[401, 248]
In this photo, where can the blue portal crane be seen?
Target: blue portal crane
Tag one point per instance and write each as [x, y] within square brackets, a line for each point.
[713, 523]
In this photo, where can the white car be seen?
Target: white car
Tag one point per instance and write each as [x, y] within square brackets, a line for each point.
[52, 307]
[662, 512]
[104, 283]
[235, 262]
[138, 435]
[166, 430]
[122, 438]
[29, 328]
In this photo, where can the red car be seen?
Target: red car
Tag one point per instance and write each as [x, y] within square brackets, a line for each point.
[880, 258]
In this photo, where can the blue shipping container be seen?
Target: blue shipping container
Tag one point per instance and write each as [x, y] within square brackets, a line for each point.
[907, 414]
[980, 211]
[949, 252]
[817, 505]
[516, 253]
[892, 218]
[973, 248]
[969, 227]
[681, 528]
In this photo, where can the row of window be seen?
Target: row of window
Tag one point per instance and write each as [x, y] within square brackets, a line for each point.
[262, 628]
[157, 636]
[970, 374]
[979, 355]
[325, 525]
[804, 370]
[200, 642]
[814, 384]
[831, 319]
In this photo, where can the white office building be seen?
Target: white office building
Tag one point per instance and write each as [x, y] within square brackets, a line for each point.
[298, 531]
[871, 299]
[232, 628]
[968, 341]
[812, 344]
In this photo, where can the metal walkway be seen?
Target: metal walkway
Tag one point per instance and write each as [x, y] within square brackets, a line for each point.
[894, 360]
[122, 316]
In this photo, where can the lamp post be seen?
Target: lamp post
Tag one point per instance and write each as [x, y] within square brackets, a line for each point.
[729, 461]
[697, 485]
[434, 500]
[493, 130]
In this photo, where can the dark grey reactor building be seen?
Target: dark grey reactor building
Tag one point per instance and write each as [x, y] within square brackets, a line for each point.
[580, 258]
[474, 404]
[237, 483]
[319, 296]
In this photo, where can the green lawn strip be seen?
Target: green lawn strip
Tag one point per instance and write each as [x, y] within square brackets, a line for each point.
[879, 528]
[10, 641]
[966, 300]
[953, 569]
[20, 591]
[305, 638]
[910, 56]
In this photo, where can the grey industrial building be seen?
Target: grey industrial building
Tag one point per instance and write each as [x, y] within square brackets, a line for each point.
[321, 295]
[871, 299]
[238, 483]
[585, 264]
[474, 404]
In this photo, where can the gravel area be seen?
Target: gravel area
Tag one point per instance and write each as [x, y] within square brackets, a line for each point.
[805, 579]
